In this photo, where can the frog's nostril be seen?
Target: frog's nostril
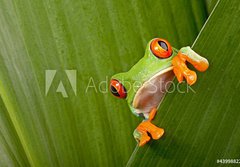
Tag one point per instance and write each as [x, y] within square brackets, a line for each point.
[117, 89]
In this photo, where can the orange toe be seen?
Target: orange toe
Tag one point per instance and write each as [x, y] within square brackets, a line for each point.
[191, 76]
[202, 65]
[178, 74]
[144, 139]
[157, 133]
[181, 70]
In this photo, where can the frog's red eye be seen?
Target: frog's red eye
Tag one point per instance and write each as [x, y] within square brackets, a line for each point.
[117, 89]
[161, 48]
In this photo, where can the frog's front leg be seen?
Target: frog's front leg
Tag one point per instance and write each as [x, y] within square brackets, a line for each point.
[180, 68]
[145, 127]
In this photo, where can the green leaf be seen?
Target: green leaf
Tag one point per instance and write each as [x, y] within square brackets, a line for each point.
[97, 38]
[11, 151]
[203, 127]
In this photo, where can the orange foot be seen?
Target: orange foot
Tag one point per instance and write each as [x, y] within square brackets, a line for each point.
[141, 132]
[180, 68]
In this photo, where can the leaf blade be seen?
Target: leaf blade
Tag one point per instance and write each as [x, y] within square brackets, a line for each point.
[202, 127]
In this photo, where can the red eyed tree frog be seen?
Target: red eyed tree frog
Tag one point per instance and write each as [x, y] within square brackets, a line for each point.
[145, 84]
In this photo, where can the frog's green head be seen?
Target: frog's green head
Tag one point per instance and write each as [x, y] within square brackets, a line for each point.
[142, 86]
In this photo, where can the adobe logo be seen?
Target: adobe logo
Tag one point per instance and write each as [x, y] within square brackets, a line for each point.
[71, 76]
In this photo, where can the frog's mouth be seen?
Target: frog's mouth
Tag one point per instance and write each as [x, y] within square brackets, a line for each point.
[150, 94]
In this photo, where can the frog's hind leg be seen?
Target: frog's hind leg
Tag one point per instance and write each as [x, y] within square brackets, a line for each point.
[145, 127]
[153, 130]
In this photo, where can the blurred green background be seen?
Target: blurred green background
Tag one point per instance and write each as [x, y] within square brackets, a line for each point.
[98, 39]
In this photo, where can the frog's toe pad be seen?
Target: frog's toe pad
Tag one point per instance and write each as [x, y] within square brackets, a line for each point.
[157, 133]
[143, 140]
[191, 77]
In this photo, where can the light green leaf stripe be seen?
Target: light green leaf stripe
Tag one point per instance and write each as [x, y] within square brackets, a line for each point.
[11, 151]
